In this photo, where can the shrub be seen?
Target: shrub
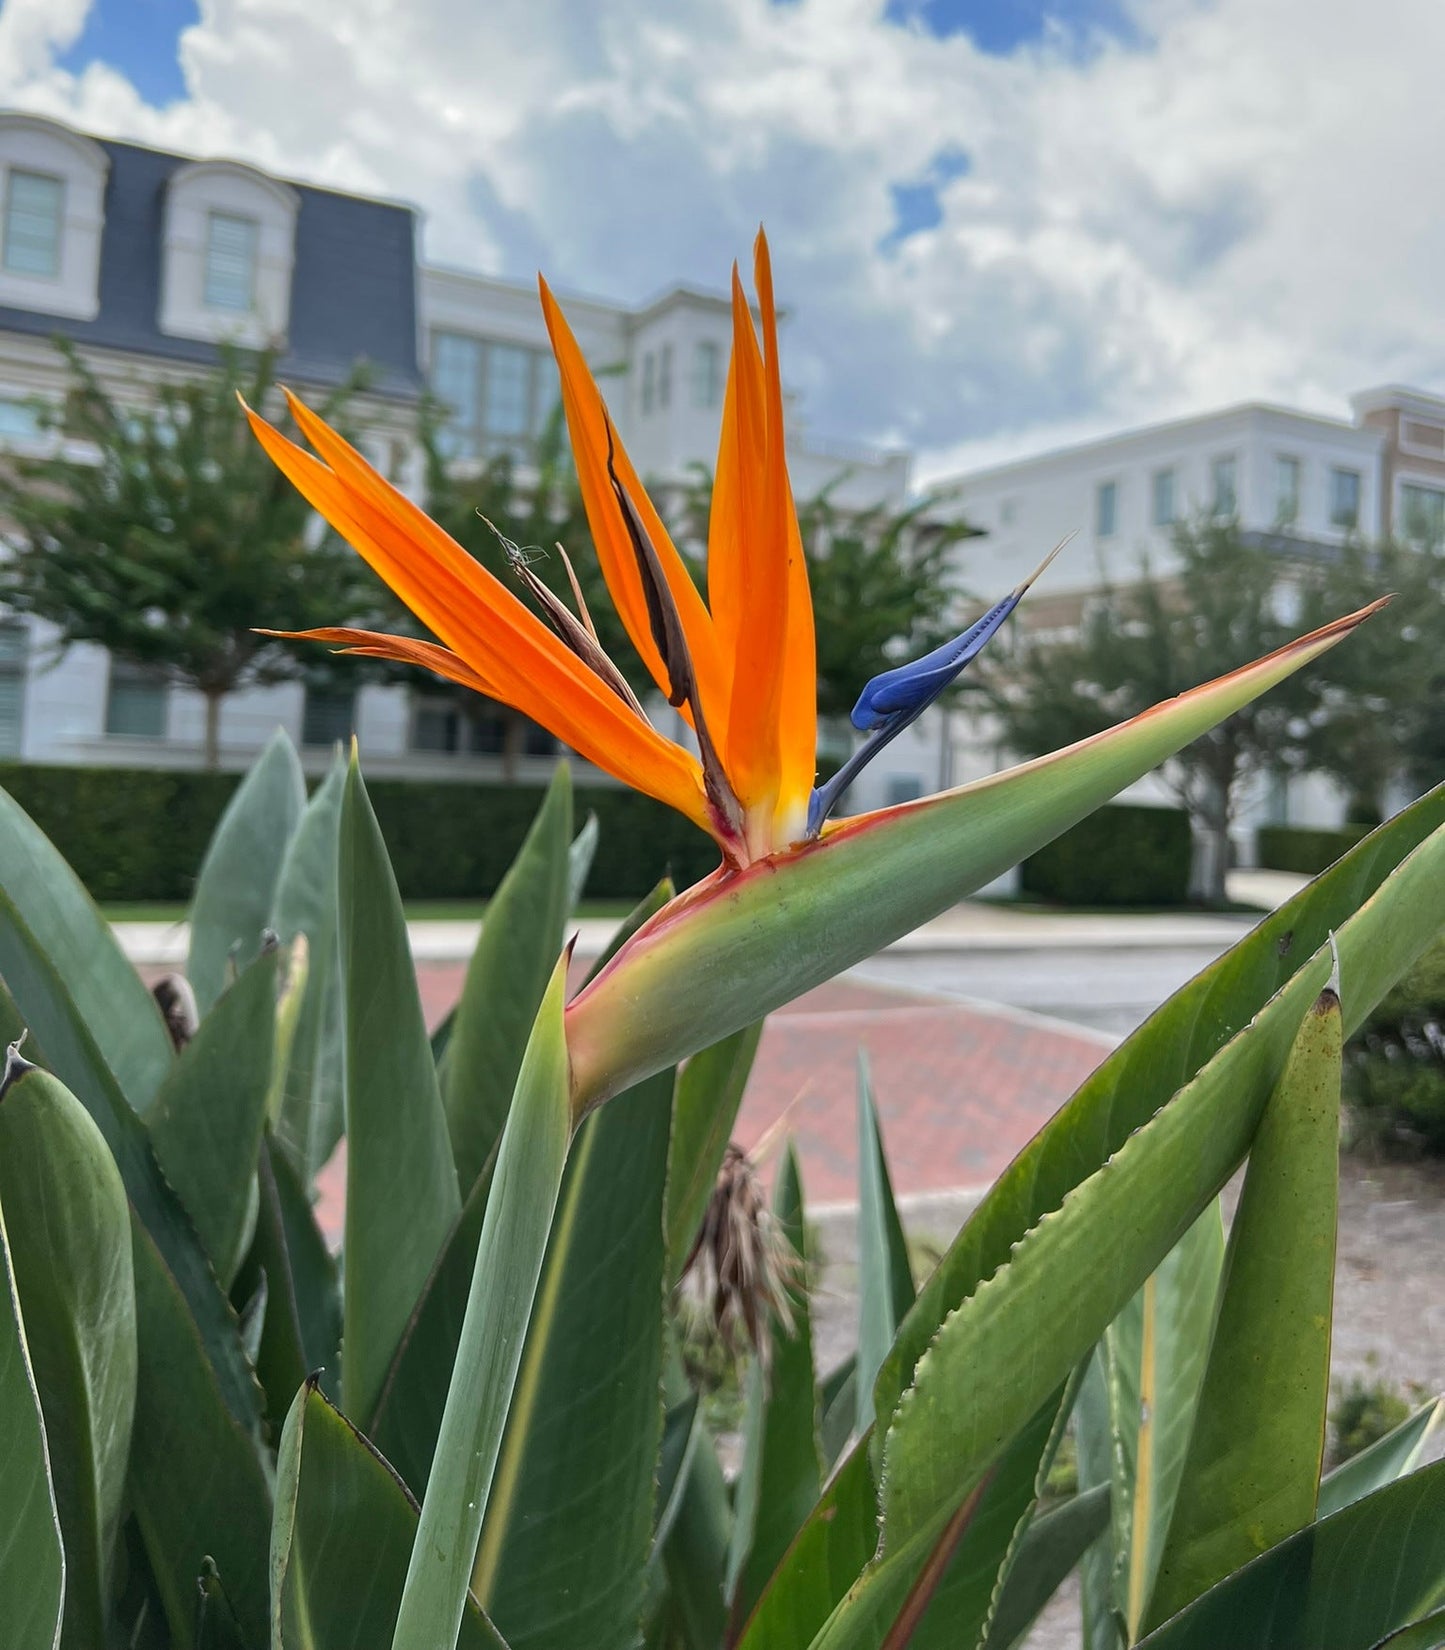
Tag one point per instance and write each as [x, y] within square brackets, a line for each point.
[139, 833]
[1395, 1065]
[1362, 1413]
[1304, 849]
[1118, 856]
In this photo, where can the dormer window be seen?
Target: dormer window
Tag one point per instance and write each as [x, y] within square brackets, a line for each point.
[52, 211]
[230, 261]
[230, 239]
[34, 216]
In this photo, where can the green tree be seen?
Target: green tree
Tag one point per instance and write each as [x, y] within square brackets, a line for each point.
[164, 533]
[1375, 705]
[1139, 643]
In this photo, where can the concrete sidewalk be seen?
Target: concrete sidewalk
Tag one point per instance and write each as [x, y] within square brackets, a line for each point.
[969, 927]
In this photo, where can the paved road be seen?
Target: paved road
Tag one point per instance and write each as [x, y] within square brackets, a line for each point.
[1108, 989]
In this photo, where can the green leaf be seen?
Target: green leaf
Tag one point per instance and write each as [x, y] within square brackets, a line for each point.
[1385, 1460]
[740, 946]
[885, 1280]
[216, 1624]
[1344, 1583]
[695, 1543]
[307, 894]
[838, 1400]
[237, 882]
[110, 996]
[197, 1484]
[1425, 1634]
[408, 1413]
[782, 1470]
[68, 1234]
[1156, 1351]
[1145, 1071]
[515, 955]
[32, 1562]
[683, 1433]
[342, 1533]
[1252, 1471]
[401, 1183]
[709, 1091]
[301, 1329]
[1052, 1546]
[961, 1607]
[1094, 1436]
[995, 1357]
[568, 1530]
[838, 1539]
[65, 1047]
[579, 861]
[207, 1119]
[510, 1253]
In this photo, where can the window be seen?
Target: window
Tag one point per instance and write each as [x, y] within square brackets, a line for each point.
[1106, 509]
[19, 420]
[903, 787]
[230, 261]
[329, 714]
[664, 377]
[1163, 489]
[33, 221]
[442, 726]
[1423, 509]
[1223, 498]
[706, 374]
[135, 702]
[1286, 489]
[649, 381]
[14, 646]
[1344, 498]
[498, 397]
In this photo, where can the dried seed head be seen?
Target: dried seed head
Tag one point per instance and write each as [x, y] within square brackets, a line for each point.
[177, 1003]
[742, 1266]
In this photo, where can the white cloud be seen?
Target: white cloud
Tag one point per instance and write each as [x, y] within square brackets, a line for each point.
[1244, 206]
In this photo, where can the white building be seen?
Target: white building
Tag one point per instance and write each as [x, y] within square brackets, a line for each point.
[148, 261]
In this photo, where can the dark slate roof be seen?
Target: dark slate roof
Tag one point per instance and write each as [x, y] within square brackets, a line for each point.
[353, 284]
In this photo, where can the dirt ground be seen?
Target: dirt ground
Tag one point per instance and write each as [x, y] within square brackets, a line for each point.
[1389, 1296]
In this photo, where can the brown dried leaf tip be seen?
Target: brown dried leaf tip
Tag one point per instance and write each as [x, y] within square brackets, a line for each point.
[742, 1266]
[177, 1003]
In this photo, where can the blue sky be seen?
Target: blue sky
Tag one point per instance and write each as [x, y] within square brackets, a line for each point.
[997, 224]
[140, 38]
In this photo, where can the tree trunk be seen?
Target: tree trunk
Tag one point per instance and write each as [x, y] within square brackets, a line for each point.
[213, 730]
[1215, 846]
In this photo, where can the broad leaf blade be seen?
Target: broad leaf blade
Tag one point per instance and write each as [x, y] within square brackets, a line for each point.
[515, 955]
[68, 1234]
[885, 1283]
[32, 1564]
[510, 1253]
[1384, 1461]
[1252, 1472]
[340, 1540]
[49, 900]
[565, 1543]
[207, 1119]
[1156, 1353]
[994, 1358]
[237, 883]
[401, 1183]
[1146, 1070]
[782, 1470]
[1345, 1583]
[579, 861]
[1053, 1545]
[307, 902]
[709, 1092]
[196, 1480]
[66, 1049]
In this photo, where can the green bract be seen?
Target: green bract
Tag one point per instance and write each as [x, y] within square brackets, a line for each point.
[476, 1426]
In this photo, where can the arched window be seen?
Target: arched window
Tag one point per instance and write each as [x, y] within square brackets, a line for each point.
[228, 249]
[52, 210]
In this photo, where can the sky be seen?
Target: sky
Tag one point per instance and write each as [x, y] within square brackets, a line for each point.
[997, 224]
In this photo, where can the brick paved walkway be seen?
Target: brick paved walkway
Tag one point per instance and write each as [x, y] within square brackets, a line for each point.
[959, 1090]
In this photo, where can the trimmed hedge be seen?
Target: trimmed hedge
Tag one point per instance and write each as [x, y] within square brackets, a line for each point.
[1122, 855]
[1304, 849]
[138, 834]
